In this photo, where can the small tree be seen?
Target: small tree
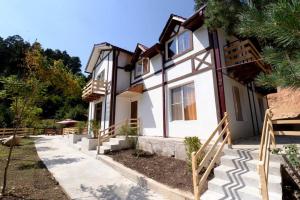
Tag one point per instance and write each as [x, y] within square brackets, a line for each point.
[24, 95]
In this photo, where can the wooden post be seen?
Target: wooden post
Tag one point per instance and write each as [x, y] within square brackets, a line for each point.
[228, 131]
[194, 171]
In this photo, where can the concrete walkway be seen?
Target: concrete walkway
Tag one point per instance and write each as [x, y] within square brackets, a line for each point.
[84, 177]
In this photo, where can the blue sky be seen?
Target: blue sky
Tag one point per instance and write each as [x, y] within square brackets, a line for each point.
[76, 25]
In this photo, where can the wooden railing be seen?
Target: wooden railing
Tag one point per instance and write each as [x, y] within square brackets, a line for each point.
[267, 139]
[112, 131]
[217, 143]
[240, 52]
[4, 132]
[94, 89]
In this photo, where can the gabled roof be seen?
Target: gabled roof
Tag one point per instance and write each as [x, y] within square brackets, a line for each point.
[104, 46]
[196, 20]
[139, 49]
[171, 23]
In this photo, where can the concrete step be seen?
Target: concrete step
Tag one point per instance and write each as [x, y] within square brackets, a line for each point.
[237, 191]
[253, 153]
[117, 139]
[111, 146]
[104, 150]
[243, 177]
[246, 163]
[211, 195]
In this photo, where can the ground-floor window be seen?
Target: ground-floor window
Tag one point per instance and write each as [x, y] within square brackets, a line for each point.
[237, 103]
[183, 104]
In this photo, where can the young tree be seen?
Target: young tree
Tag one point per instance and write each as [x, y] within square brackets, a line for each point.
[24, 95]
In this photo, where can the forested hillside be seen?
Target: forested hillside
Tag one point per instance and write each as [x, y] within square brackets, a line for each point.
[57, 71]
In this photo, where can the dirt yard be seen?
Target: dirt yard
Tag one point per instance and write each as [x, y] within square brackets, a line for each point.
[28, 178]
[166, 170]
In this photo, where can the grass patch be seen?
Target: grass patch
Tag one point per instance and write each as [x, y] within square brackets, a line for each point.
[28, 177]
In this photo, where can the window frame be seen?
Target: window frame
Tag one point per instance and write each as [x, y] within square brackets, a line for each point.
[176, 37]
[237, 104]
[182, 102]
[142, 67]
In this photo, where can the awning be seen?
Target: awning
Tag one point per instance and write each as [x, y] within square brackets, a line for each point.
[132, 91]
[67, 122]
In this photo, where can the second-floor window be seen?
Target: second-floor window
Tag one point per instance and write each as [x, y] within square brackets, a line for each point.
[179, 44]
[142, 67]
[101, 76]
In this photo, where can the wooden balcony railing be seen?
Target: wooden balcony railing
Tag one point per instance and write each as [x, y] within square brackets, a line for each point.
[94, 89]
[242, 52]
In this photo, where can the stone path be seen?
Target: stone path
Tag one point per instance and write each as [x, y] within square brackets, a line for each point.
[84, 177]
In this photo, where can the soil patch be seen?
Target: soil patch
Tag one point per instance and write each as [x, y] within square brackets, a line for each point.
[166, 170]
[28, 178]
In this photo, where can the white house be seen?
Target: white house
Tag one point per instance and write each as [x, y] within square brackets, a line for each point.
[180, 86]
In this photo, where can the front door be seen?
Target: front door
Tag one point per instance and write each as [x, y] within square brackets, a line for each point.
[133, 109]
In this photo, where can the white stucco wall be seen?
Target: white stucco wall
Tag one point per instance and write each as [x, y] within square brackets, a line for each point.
[150, 112]
[205, 107]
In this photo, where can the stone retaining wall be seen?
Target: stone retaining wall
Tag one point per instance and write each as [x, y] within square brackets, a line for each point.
[171, 147]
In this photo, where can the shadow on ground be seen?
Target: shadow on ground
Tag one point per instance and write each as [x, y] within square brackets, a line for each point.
[117, 192]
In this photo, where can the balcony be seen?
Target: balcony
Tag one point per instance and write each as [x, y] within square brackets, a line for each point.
[94, 89]
[243, 61]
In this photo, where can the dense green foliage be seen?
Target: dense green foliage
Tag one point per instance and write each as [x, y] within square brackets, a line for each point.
[273, 23]
[56, 72]
[192, 144]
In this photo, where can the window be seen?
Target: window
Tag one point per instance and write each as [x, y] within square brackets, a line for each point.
[237, 103]
[142, 67]
[101, 76]
[179, 44]
[183, 105]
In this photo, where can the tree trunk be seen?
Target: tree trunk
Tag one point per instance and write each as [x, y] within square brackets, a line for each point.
[8, 162]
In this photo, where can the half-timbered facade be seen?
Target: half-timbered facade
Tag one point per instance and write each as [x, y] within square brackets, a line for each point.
[180, 86]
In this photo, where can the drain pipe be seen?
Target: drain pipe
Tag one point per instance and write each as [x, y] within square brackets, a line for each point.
[248, 93]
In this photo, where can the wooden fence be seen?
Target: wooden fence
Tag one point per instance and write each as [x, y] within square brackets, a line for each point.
[209, 156]
[5, 132]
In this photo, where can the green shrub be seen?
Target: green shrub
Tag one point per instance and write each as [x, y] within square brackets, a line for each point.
[192, 144]
[127, 130]
[80, 125]
[292, 154]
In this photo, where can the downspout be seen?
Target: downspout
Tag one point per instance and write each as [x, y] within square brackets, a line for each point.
[253, 128]
[253, 89]
[113, 87]
[115, 66]
[164, 95]
[214, 42]
[106, 92]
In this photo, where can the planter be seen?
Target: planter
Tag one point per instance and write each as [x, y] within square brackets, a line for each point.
[88, 144]
[74, 138]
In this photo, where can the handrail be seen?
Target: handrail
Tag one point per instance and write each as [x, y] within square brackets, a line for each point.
[224, 132]
[112, 131]
[267, 138]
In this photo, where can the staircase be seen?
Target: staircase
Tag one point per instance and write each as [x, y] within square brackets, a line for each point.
[114, 144]
[237, 178]
[116, 137]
